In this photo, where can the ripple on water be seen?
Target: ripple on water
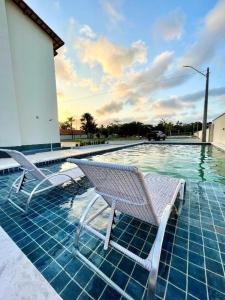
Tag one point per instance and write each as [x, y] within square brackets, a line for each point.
[196, 162]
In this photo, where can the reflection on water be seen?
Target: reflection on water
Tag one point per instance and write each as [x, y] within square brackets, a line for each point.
[203, 163]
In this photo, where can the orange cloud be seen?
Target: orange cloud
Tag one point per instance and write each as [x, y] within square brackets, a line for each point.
[111, 57]
[64, 68]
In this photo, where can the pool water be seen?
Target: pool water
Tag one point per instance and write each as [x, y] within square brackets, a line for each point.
[194, 162]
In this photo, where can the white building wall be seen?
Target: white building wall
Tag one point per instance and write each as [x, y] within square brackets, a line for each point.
[32, 68]
[219, 130]
[9, 121]
[198, 134]
[216, 132]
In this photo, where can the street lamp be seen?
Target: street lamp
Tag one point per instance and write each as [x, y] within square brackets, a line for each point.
[204, 122]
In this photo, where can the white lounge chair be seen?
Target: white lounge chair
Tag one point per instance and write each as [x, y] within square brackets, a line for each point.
[149, 197]
[43, 182]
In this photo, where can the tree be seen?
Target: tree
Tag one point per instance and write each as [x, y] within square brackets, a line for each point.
[68, 125]
[161, 125]
[88, 124]
[64, 125]
[70, 120]
[132, 128]
[165, 126]
[113, 128]
[169, 128]
[103, 131]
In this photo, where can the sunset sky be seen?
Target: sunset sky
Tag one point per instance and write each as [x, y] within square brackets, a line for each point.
[123, 59]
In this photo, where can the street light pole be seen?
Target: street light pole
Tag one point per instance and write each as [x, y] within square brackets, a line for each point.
[204, 123]
[205, 111]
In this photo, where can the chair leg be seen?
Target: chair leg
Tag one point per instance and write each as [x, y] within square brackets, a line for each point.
[36, 189]
[152, 280]
[81, 223]
[29, 199]
[153, 258]
[9, 194]
[182, 190]
[13, 186]
[114, 222]
[182, 198]
[109, 227]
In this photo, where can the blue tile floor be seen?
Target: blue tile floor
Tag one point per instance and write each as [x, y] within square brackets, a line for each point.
[192, 259]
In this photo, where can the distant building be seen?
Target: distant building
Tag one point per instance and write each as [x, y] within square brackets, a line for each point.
[215, 133]
[68, 134]
[28, 104]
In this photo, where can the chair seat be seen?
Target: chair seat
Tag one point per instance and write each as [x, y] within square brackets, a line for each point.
[161, 189]
[75, 173]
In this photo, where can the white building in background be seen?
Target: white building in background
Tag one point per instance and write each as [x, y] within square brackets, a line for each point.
[216, 131]
[28, 104]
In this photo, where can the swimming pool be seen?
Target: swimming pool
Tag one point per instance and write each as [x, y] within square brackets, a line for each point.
[192, 263]
[194, 162]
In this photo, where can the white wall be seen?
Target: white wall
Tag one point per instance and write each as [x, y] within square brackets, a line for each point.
[219, 130]
[31, 64]
[216, 132]
[198, 134]
[9, 121]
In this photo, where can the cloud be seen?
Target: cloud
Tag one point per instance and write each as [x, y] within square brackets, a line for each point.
[135, 87]
[111, 57]
[209, 38]
[112, 8]
[220, 91]
[170, 105]
[144, 82]
[217, 91]
[87, 31]
[175, 104]
[171, 26]
[147, 80]
[64, 68]
[87, 82]
[67, 77]
[112, 107]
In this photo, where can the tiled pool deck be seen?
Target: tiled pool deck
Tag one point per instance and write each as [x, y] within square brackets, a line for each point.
[192, 260]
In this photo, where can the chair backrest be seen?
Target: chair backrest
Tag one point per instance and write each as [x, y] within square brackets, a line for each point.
[122, 183]
[24, 162]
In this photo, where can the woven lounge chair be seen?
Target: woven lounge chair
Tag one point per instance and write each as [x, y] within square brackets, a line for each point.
[37, 175]
[147, 196]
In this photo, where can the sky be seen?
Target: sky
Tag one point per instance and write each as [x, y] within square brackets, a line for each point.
[123, 59]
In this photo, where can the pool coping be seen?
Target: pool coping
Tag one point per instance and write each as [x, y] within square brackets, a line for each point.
[219, 146]
[177, 143]
[15, 167]
[17, 270]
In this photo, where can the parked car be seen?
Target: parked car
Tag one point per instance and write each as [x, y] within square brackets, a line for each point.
[156, 135]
